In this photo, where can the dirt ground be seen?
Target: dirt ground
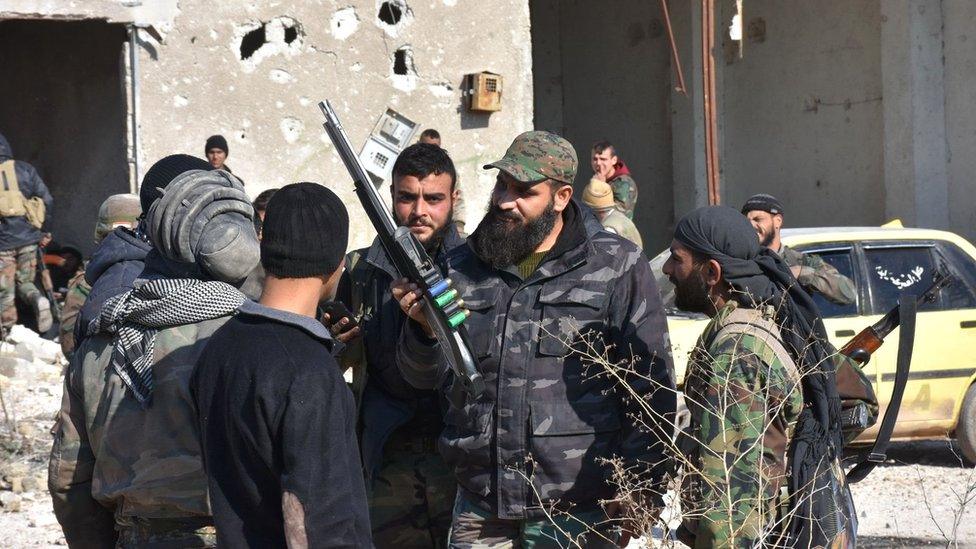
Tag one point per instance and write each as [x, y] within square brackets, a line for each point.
[913, 500]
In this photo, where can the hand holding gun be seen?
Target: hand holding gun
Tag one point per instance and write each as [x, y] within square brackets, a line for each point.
[444, 312]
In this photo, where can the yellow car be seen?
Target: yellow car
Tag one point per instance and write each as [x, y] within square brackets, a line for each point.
[940, 398]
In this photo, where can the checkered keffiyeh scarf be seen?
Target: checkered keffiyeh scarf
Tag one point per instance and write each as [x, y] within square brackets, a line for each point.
[136, 316]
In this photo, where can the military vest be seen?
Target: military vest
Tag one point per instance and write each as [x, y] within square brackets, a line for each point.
[12, 201]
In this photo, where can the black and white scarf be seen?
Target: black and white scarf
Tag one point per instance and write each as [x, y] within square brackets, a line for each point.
[136, 316]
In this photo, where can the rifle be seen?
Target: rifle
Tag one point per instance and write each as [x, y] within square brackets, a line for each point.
[48, 285]
[863, 345]
[444, 311]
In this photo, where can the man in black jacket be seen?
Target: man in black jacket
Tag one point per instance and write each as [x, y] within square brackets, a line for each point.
[20, 183]
[571, 338]
[411, 490]
[277, 422]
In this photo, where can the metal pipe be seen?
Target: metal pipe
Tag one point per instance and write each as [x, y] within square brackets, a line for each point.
[134, 78]
[708, 96]
[680, 88]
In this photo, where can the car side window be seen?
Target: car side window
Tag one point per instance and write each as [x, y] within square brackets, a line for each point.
[841, 260]
[959, 294]
[893, 270]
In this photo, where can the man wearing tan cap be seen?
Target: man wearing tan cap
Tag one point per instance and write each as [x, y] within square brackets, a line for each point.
[598, 195]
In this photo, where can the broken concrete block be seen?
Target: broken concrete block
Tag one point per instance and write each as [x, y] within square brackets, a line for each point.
[10, 502]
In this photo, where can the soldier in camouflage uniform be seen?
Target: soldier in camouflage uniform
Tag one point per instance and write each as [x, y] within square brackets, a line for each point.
[608, 167]
[743, 388]
[546, 286]
[599, 197]
[410, 489]
[118, 210]
[765, 213]
[125, 467]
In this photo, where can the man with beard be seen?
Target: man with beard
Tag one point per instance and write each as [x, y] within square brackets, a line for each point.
[745, 391]
[548, 293]
[410, 489]
[765, 213]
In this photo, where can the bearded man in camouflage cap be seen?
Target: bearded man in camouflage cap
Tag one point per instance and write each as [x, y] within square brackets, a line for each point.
[543, 282]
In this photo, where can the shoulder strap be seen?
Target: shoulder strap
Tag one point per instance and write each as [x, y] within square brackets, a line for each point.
[906, 343]
[8, 176]
[741, 322]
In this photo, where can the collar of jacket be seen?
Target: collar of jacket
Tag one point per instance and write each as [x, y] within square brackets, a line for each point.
[377, 257]
[307, 324]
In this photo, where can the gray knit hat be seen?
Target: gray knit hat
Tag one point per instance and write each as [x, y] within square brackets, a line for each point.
[204, 217]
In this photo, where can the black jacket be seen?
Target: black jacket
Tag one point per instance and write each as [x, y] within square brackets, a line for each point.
[388, 401]
[16, 232]
[276, 416]
[549, 413]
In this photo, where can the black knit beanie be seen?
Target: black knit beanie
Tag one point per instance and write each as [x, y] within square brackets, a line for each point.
[305, 232]
[216, 142]
[163, 172]
[763, 202]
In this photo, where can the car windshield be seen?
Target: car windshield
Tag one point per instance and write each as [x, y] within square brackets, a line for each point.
[666, 288]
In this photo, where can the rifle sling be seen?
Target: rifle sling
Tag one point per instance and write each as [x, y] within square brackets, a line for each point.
[906, 343]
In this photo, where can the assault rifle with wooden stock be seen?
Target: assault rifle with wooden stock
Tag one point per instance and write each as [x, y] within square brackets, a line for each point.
[444, 310]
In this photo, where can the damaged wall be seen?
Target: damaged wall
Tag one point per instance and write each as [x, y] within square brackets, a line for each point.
[601, 72]
[801, 111]
[255, 71]
[256, 75]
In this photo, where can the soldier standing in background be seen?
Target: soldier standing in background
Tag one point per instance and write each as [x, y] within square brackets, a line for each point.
[765, 213]
[411, 490]
[599, 197]
[134, 477]
[608, 167]
[433, 137]
[118, 210]
[25, 207]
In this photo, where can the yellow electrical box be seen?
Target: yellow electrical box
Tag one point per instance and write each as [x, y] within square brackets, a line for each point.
[484, 92]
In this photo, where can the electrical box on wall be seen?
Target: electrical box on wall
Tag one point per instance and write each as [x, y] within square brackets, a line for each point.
[391, 134]
[484, 91]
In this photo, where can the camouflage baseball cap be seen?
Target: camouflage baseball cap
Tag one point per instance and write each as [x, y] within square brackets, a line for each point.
[536, 156]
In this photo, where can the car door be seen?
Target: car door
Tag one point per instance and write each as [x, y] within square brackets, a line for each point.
[938, 364]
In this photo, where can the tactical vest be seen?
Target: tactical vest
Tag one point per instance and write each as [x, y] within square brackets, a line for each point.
[12, 201]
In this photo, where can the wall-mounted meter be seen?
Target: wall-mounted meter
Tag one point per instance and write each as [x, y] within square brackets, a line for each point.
[391, 134]
[484, 91]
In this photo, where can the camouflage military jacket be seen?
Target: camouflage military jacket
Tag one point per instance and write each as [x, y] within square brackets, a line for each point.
[617, 223]
[743, 392]
[74, 299]
[816, 275]
[551, 414]
[114, 462]
[624, 194]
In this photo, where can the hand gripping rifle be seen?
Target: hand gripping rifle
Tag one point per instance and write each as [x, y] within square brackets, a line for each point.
[444, 311]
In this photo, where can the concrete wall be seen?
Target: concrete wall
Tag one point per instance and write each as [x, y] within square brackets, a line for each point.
[959, 17]
[601, 72]
[801, 111]
[63, 110]
[195, 82]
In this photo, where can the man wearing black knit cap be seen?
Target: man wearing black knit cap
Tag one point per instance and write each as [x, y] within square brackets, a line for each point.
[765, 212]
[217, 151]
[760, 378]
[277, 421]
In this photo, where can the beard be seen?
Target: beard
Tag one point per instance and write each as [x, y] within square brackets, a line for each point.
[767, 240]
[691, 294]
[503, 239]
[436, 238]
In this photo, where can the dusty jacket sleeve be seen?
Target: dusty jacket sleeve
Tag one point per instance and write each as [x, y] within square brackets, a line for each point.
[639, 334]
[321, 480]
[823, 277]
[419, 357]
[86, 523]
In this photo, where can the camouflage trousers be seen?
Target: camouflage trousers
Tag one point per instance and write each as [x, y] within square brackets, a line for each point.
[166, 533]
[18, 267]
[475, 528]
[410, 499]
